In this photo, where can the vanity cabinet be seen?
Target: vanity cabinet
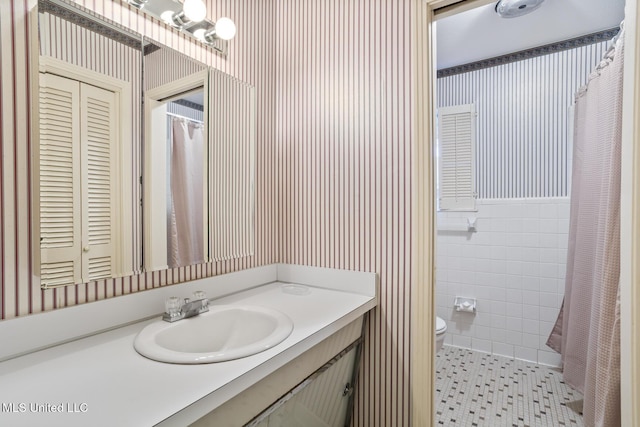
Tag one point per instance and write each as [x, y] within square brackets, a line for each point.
[323, 400]
[313, 390]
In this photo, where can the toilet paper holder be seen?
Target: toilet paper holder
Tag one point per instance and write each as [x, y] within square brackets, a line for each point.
[465, 305]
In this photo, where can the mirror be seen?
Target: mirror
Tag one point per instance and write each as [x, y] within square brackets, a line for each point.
[176, 194]
[110, 191]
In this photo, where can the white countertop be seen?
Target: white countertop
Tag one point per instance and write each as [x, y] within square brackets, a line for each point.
[101, 380]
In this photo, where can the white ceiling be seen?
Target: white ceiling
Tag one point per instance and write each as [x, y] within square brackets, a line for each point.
[481, 34]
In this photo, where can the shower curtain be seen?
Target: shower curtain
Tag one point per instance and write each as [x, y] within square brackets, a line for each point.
[185, 242]
[587, 332]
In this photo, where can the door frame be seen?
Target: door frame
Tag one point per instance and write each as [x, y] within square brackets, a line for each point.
[424, 14]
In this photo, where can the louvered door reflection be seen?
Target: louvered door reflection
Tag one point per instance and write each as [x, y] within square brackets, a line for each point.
[60, 231]
[97, 118]
[77, 134]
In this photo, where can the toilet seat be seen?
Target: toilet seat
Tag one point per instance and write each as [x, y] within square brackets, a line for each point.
[441, 326]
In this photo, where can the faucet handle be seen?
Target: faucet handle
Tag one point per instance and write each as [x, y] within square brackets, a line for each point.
[172, 306]
[201, 295]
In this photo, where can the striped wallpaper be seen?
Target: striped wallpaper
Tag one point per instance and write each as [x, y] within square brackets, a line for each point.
[232, 119]
[523, 126]
[344, 135]
[333, 162]
[156, 73]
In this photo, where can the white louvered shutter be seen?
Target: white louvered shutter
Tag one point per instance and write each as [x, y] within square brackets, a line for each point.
[60, 232]
[98, 124]
[456, 142]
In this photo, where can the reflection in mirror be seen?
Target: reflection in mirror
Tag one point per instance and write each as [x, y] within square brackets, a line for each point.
[185, 179]
[176, 150]
[87, 159]
[105, 199]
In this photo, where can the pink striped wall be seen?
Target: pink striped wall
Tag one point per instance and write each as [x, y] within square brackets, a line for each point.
[344, 141]
[333, 161]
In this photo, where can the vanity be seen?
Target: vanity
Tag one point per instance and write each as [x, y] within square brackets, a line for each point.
[78, 366]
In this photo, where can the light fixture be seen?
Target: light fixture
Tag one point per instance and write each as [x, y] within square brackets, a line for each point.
[200, 34]
[190, 17]
[138, 3]
[224, 29]
[194, 10]
[516, 8]
[175, 19]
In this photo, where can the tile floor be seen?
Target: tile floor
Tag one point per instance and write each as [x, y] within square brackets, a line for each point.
[479, 389]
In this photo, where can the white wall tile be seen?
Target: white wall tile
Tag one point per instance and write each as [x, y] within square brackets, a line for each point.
[514, 310]
[549, 358]
[514, 337]
[548, 270]
[514, 324]
[549, 211]
[548, 284]
[550, 255]
[549, 300]
[513, 281]
[531, 340]
[531, 226]
[526, 353]
[531, 254]
[531, 297]
[531, 283]
[548, 314]
[483, 333]
[531, 269]
[531, 312]
[530, 326]
[530, 240]
[548, 226]
[461, 341]
[503, 349]
[514, 265]
[514, 296]
[481, 345]
[548, 240]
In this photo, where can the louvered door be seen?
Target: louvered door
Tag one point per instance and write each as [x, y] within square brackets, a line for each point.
[60, 226]
[77, 134]
[456, 141]
[97, 118]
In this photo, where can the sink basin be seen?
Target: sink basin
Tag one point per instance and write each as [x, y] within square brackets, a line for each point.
[225, 332]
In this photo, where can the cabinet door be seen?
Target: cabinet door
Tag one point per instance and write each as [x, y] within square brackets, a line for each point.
[78, 132]
[97, 126]
[60, 224]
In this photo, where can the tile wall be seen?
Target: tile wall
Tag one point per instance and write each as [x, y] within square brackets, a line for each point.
[514, 265]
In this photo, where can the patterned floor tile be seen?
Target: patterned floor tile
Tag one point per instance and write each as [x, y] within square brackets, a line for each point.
[479, 389]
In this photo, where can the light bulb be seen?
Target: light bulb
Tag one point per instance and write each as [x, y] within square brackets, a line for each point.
[195, 10]
[225, 29]
[167, 17]
[199, 34]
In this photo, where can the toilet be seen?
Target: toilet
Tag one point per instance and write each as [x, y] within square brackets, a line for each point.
[441, 328]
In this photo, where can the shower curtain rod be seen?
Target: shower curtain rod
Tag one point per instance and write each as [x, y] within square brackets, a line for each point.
[185, 117]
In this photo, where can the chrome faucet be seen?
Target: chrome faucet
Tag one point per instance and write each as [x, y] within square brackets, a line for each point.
[177, 310]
